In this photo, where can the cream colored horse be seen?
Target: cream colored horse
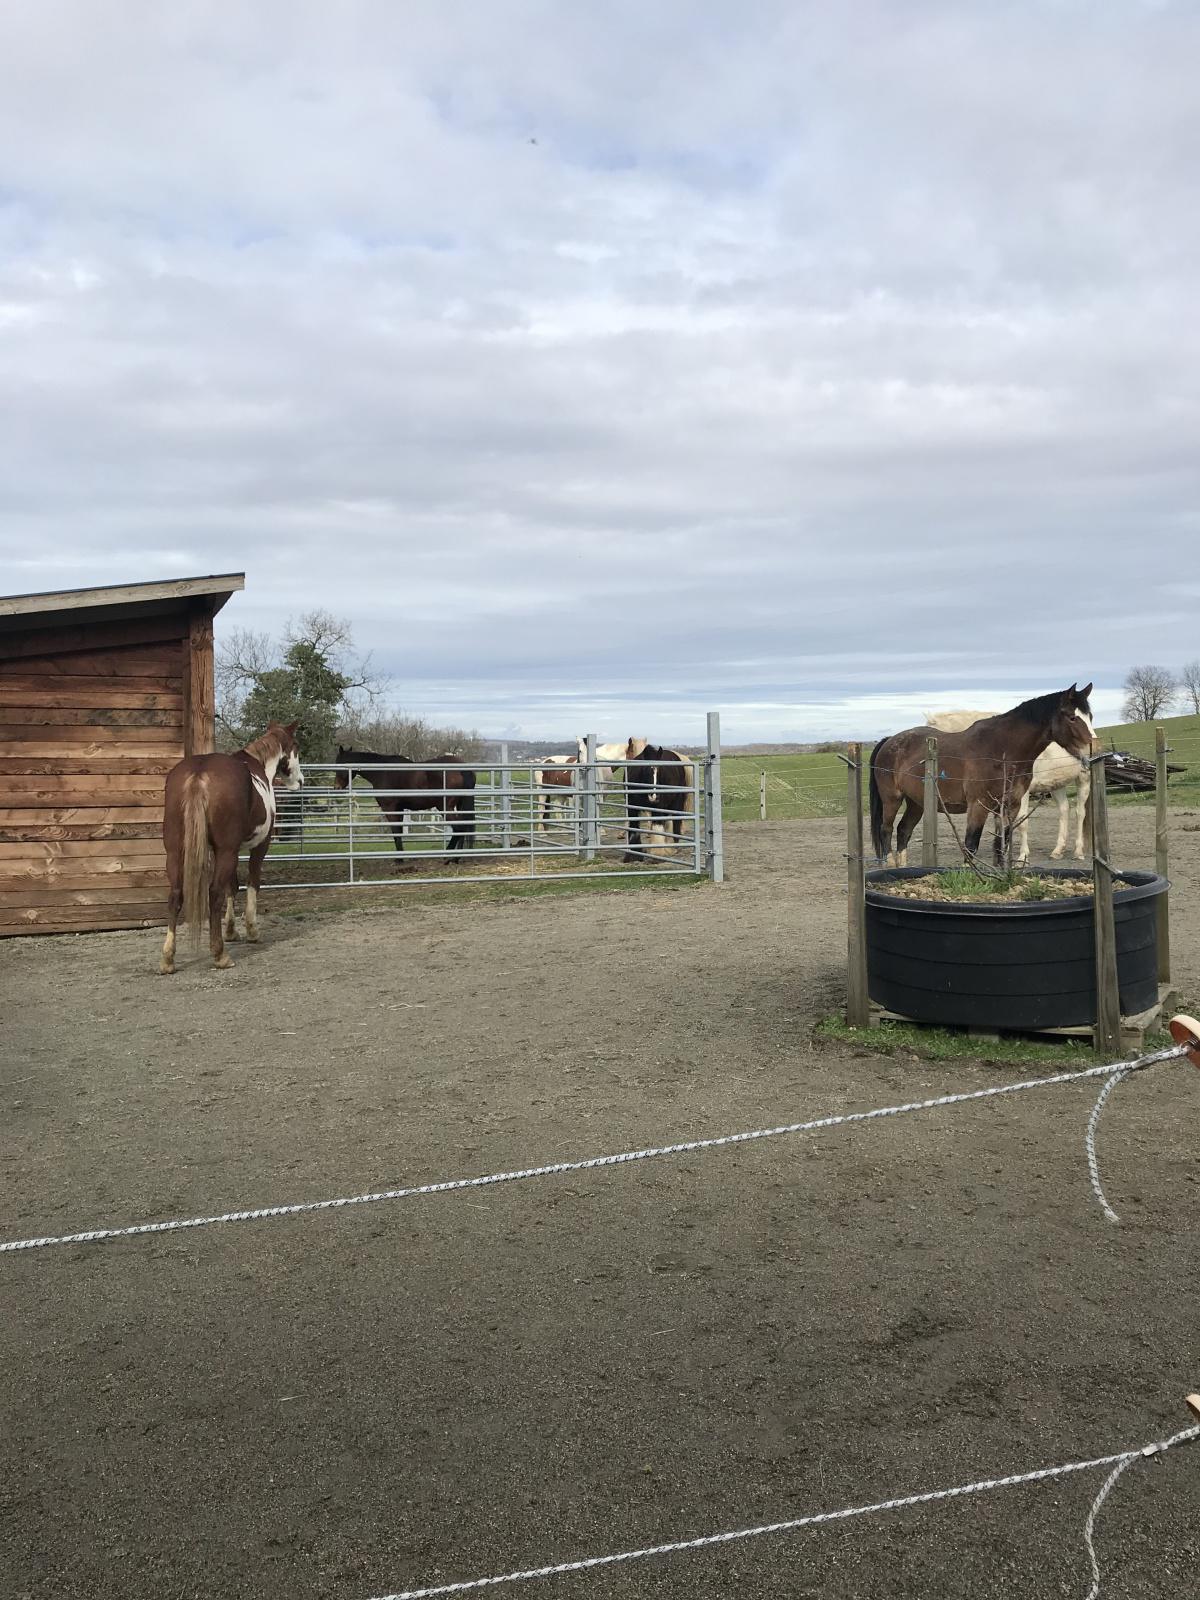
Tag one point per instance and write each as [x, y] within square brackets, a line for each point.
[1053, 771]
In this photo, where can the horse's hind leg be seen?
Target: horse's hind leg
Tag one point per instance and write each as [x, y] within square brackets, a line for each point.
[1022, 851]
[1064, 824]
[1083, 794]
[253, 884]
[913, 811]
[174, 906]
[223, 881]
[977, 815]
[228, 926]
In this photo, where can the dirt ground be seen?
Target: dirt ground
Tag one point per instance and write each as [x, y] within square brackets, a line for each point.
[346, 1404]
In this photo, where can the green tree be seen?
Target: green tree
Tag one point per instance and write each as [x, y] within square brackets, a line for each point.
[317, 681]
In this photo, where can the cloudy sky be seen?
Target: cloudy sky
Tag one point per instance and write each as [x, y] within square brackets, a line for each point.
[609, 363]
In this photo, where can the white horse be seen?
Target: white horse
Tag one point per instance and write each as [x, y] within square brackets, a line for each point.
[606, 754]
[1053, 771]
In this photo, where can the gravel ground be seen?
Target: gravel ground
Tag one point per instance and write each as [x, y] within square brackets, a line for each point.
[346, 1404]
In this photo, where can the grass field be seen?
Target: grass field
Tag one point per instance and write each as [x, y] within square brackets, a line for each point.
[815, 785]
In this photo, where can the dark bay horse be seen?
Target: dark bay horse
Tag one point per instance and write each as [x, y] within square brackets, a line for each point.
[213, 807]
[658, 791]
[422, 791]
[985, 770]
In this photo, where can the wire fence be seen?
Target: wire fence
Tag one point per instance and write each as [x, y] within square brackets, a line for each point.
[812, 784]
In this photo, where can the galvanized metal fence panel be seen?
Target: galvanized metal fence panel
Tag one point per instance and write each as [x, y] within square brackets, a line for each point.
[335, 837]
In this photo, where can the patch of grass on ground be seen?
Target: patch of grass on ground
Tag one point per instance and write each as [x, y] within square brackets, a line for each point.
[950, 1044]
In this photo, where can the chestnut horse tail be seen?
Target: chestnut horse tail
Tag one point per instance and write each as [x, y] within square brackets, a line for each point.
[197, 856]
[877, 841]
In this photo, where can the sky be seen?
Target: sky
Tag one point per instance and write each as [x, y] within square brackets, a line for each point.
[609, 364]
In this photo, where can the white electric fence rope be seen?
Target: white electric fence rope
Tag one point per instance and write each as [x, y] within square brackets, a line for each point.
[259, 1213]
[1089, 1141]
[1119, 1461]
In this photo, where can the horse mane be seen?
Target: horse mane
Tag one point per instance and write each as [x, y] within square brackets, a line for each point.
[365, 757]
[1038, 710]
[263, 748]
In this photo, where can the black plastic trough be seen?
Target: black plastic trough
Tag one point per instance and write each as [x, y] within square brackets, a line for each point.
[1025, 965]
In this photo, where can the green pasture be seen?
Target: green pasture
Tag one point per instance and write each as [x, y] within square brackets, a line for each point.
[814, 785]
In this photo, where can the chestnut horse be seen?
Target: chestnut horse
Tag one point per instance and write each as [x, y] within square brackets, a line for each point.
[452, 791]
[214, 805]
[985, 770]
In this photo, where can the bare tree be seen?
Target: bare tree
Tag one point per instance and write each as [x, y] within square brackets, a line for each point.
[313, 672]
[398, 733]
[1149, 692]
[1189, 683]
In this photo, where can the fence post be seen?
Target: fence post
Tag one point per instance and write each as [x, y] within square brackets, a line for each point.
[762, 796]
[1162, 906]
[713, 836]
[929, 820]
[505, 800]
[857, 1015]
[589, 797]
[696, 800]
[1107, 1033]
[350, 817]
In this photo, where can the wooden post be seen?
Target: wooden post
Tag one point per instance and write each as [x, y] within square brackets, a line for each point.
[929, 819]
[762, 796]
[1106, 1035]
[1160, 853]
[199, 695]
[856, 898]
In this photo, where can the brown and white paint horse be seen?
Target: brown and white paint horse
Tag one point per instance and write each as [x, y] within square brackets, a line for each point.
[985, 770]
[554, 781]
[215, 806]
[658, 787]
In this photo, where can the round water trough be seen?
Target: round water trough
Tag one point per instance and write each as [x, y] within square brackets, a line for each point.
[1023, 965]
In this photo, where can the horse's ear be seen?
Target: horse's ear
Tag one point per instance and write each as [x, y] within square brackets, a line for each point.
[1085, 693]
[290, 728]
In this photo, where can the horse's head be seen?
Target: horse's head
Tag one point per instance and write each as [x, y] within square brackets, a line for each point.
[288, 773]
[1073, 721]
[634, 747]
[341, 780]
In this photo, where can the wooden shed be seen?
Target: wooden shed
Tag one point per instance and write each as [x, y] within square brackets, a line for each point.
[101, 692]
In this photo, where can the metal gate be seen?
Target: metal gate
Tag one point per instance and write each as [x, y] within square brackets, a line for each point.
[336, 837]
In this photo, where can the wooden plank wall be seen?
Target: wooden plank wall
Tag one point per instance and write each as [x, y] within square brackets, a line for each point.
[91, 720]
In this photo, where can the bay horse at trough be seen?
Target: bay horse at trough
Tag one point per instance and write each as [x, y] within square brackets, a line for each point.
[1053, 773]
[420, 790]
[658, 794]
[213, 807]
[986, 770]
